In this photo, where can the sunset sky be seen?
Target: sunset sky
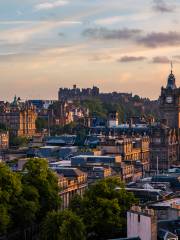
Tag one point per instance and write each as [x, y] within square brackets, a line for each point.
[117, 45]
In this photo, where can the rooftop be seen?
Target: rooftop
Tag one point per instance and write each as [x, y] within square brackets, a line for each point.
[69, 172]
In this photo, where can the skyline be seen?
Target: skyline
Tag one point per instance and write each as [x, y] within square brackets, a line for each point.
[123, 47]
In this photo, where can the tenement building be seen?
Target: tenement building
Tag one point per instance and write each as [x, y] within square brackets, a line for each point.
[4, 140]
[71, 181]
[19, 117]
[165, 141]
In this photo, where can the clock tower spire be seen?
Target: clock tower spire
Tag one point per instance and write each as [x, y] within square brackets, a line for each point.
[171, 84]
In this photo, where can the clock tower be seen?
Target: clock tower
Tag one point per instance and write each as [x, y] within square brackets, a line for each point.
[170, 103]
[165, 136]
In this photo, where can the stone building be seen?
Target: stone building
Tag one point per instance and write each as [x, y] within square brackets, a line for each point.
[113, 119]
[71, 181]
[165, 137]
[59, 114]
[131, 149]
[163, 147]
[170, 103]
[4, 140]
[142, 223]
[77, 93]
[63, 112]
[19, 117]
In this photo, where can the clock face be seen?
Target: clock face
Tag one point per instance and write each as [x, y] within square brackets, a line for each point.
[169, 99]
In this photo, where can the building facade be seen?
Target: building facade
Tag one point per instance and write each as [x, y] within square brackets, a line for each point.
[141, 223]
[77, 93]
[19, 118]
[165, 137]
[163, 147]
[4, 140]
[71, 181]
[64, 112]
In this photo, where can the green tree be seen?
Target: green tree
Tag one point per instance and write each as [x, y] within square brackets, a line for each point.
[95, 106]
[50, 226]
[27, 207]
[64, 225]
[72, 227]
[4, 219]
[103, 209]
[3, 127]
[137, 98]
[38, 175]
[10, 190]
[18, 141]
[41, 124]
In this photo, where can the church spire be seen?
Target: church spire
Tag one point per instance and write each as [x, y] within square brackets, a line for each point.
[171, 84]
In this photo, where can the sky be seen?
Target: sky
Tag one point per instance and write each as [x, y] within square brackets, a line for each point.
[117, 45]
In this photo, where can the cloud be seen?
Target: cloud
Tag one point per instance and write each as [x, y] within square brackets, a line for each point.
[161, 60]
[162, 6]
[177, 56]
[50, 5]
[108, 34]
[25, 33]
[101, 58]
[109, 21]
[157, 39]
[131, 59]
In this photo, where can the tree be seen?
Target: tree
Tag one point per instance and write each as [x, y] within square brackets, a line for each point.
[72, 227]
[50, 226]
[38, 175]
[10, 190]
[27, 207]
[95, 106]
[18, 141]
[4, 218]
[64, 225]
[137, 98]
[26, 197]
[103, 209]
[3, 127]
[41, 124]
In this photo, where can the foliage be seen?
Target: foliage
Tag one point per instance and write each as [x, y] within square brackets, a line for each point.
[137, 98]
[64, 225]
[27, 207]
[41, 124]
[68, 129]
[103, 209]
[95, 106]
[3, 127]
[18, 141]
[10, 190]
[4, 218]
[100, 108]
[72, 128]
[26, 198]
[38, 175]
[33, 197]
[81, 133]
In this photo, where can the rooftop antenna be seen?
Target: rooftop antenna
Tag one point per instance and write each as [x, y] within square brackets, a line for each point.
[171, 67]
